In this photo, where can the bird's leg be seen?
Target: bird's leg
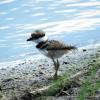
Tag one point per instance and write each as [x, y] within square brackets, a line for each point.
[55, 64]
[56, 69]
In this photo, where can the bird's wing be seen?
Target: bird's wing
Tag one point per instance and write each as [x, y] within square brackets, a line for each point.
[56, 45]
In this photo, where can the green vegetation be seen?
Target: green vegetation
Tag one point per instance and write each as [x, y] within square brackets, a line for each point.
[57, 85]
[89, 88]
[81, 78]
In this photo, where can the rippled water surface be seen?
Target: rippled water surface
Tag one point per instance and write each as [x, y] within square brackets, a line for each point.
[72, 21]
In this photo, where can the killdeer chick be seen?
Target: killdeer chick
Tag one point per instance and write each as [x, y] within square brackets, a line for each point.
[51, 48]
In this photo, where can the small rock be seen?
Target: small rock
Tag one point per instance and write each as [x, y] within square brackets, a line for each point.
[97, 55]
[0, 88]
[94, 60]
[40, 72]
[65, 62]
[16, 78]
[22, 63]
[40, 65]
[27, 96]
[84, 50]
[42, 68]
[3, 69]
[7, 80]
[31, 63]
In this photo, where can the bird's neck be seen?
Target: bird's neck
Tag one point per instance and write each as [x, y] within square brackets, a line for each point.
[42, 39]
[39, 45]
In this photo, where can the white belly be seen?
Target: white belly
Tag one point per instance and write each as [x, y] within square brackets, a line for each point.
[53, 53]
[44, 52]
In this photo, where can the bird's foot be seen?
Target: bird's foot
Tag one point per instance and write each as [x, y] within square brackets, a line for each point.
[52, 77]
[55, 76]
[49, 78]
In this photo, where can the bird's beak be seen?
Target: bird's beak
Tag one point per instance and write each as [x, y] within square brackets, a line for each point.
[30, 39]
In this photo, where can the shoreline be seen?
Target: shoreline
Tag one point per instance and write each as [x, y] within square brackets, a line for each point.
[35, 74]
[39, 56]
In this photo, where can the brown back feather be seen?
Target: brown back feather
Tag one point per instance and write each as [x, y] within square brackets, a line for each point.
[56, 45]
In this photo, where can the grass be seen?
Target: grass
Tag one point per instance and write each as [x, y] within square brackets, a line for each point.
[89, 88]
[57, 85]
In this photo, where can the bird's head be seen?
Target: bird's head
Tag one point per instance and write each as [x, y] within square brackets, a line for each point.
[38, 36]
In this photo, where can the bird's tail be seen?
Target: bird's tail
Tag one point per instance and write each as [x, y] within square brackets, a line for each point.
[70, 47]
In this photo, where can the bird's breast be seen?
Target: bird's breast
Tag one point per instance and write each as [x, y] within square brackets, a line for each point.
[43, 51]
[52, 53]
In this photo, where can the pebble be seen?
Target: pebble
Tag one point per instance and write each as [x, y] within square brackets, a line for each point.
[7, 80]
[84, 50]
[65, 62]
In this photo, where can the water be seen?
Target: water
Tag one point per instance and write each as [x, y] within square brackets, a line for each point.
[72, 21]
